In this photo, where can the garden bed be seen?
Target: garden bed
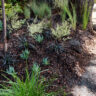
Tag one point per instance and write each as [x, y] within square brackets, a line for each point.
[66, 58]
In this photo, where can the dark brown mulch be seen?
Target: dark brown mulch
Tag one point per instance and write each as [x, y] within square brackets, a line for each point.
[63, 60]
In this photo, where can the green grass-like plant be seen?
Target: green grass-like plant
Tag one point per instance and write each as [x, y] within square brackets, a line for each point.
[41, 10]
[33, 85]
[10, 70]
[63, 5]
[85, 16]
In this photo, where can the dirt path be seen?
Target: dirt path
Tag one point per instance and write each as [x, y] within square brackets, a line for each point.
[94, 14]
[87, 85]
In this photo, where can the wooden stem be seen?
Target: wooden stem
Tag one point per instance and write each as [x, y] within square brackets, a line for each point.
[4, 27]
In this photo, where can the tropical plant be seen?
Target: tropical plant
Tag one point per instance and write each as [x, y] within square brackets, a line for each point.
[33, 85]
[62, 30]
[12, 16]
[64, 6]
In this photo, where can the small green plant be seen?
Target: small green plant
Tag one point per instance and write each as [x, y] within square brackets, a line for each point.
[1, 27]
[38, 38]
[86, 14]
[33, 85]
[72, 16]
[10, 70]
[45, 61]
[36, 68]
[62, 30]
[25, 55]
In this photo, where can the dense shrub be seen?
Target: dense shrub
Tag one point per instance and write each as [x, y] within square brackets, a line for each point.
[62, 30]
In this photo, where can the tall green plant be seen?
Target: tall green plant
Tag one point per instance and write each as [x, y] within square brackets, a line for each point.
[72, 16]
[86, 14]
[31, 86]
[63, 5]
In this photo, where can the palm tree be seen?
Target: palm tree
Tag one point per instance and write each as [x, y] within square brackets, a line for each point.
[4, 27]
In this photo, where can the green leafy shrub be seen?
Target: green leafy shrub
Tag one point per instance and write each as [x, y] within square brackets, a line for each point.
[12, 16]
[16, 24]
[62, 30]
[36, 27]
[86, 14]
[38, 38]
[33, 85]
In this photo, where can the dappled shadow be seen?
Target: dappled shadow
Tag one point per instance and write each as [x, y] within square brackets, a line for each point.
[87, 85]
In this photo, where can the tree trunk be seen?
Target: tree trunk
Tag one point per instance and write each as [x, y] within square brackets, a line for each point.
[4, 27]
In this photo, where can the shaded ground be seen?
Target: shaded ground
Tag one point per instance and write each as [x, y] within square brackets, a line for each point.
[87, 84]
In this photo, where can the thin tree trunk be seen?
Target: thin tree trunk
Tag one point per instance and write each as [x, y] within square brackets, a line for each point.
[4, 27]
